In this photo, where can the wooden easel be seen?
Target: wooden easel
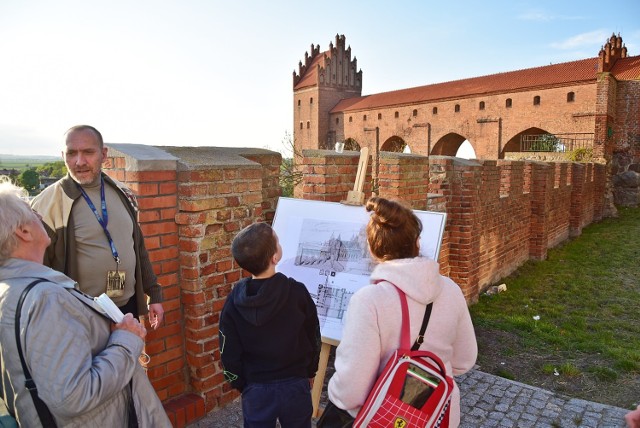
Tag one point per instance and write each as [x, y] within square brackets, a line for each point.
[354, 197]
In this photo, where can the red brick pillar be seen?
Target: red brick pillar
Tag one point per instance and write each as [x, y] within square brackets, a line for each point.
[600, 190]
[459, 180]
[151, 174]
[404, 177]
[541, 183]
[216, 201]
[328, 176]
[580, 198]
[271, 190]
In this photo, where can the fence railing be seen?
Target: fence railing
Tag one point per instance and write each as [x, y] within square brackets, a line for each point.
[556, 142]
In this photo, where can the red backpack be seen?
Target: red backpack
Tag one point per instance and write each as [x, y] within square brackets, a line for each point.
[413, 390]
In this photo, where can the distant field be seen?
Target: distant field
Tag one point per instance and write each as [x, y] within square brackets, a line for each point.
[23, 162]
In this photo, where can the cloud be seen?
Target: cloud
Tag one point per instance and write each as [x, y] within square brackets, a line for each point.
[593, 38]
[540, 16]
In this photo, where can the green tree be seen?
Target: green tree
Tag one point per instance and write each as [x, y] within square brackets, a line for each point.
[547, 143]
[290, 169]
[30, 180]
[55, 169]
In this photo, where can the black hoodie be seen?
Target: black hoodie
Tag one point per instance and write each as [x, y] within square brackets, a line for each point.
[269, 331]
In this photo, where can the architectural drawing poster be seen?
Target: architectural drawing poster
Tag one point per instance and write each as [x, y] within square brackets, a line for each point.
[324, 246]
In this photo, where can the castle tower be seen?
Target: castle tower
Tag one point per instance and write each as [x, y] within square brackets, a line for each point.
[320, 83]
[612, 51]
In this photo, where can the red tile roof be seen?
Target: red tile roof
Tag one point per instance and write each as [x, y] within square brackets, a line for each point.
[627, 68]
[310, 77]
[551, 75]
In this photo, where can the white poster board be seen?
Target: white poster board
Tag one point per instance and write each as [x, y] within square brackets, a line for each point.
[324, 246]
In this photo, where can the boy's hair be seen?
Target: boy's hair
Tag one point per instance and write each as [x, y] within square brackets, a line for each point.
[253, 247]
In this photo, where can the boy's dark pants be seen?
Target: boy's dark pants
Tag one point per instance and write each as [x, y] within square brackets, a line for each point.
[288, 400]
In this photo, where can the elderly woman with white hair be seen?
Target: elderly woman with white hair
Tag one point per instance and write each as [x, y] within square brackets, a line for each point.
[84, 366]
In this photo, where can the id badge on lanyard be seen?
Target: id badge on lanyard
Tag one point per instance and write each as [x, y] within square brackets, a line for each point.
[115, 278]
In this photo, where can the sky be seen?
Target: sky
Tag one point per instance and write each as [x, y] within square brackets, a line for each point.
[219, 73]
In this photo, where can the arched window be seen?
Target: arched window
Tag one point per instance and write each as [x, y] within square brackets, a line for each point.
[435, 110]
[397, 115]
[350, 119]
[364, 118]
[298, 103]
[536, 100]
[481, 106]
[301, 125]
[415, 112]
[337, 120]
[508, 103]
[308, 124]
[571, 97]
[311, 100]
[457, 108]
[379, 116]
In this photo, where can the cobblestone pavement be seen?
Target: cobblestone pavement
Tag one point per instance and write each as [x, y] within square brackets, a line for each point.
[491, 401]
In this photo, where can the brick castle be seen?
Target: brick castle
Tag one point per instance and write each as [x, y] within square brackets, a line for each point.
[592, 104]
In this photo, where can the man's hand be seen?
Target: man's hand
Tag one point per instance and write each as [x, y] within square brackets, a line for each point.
[156, 313]
[132, 325]
[633, 418]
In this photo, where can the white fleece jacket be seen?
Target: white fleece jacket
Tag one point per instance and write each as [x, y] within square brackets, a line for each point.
[372, 329]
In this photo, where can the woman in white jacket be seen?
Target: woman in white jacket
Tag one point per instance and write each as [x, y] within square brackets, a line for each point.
[373, 320]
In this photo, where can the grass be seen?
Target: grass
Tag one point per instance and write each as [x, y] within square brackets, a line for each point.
[575, 313]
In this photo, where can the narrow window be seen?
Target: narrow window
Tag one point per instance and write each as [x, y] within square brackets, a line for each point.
[308, 124]
[508, 103]
[397, 115]
[311, 100]
[364, 117]
[415, 112]
[435, 110]
[457, 108]
[298, 103]
[481, 106]
[337, 120]
[536, 100]
[379, 116]
[350, 119]
[301, 125]
[571, 97]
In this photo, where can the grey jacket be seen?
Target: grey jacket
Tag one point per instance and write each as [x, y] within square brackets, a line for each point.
[81, 369]
[54, 205]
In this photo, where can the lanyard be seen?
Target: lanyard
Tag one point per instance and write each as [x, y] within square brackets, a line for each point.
[104, 220]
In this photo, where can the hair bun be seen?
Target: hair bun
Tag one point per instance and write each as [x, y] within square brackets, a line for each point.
[386, 213]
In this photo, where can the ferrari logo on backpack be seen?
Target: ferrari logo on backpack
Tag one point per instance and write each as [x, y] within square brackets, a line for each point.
[399, 423]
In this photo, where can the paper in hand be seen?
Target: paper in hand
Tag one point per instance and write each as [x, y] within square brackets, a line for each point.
[109, 307]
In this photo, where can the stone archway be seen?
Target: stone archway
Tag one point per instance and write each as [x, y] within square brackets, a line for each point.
[393, 144]
[513, 145]
[351, 144]
[448, 145]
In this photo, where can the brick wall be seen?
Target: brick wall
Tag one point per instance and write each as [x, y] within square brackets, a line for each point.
[328, 176]
[499, 213]
[625, 165]
[193, 200]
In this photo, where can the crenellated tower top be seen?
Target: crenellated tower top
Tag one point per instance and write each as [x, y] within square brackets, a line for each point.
[308, 59]
[332, 68]
[612, 51]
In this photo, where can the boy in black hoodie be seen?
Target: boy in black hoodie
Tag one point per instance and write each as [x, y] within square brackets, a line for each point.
[269, 335]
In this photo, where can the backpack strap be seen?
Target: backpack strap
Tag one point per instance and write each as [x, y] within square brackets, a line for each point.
[404, 335]
[425, 322]
[405, 331]
[43, 411]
